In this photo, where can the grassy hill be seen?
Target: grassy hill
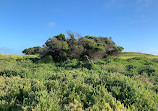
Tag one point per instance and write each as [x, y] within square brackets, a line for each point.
[3, 56]
[126, 55]
[128, 82]
[123, 55]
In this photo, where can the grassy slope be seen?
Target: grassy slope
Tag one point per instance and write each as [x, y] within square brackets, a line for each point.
[16, 56]
[123, 55]
[127, 55]
[111, 84]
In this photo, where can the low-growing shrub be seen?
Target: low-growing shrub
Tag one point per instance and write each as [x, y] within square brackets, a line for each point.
[108, 84]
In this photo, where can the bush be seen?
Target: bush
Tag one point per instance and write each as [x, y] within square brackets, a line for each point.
[46, 59]
[22, 94]
[33, 50]
[85, 48]
[108, 84]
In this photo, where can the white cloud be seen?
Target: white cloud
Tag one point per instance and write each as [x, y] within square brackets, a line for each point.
[51, 25]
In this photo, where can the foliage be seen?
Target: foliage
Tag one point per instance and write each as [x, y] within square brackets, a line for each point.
[33, 50]
[88, 47]
[108, 84]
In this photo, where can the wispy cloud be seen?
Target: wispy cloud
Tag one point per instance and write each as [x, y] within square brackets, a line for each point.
[8, 50]
[5, 50]
[152, 51]
[121, 4]
[147, 50]
[141, 19]
[51, 25]
[117, 4]
[144, 2]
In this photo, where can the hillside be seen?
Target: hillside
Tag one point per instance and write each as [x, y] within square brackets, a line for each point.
[126, 55]
[128, 82]
[5, 56]
[123, 55]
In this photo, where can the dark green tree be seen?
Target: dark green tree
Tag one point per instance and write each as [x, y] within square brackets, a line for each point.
[87, 47]
[33, 50]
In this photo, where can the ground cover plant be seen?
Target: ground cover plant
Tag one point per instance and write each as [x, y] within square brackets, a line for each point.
[113, 83]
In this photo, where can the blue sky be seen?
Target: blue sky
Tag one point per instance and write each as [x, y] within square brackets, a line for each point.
[132, 24]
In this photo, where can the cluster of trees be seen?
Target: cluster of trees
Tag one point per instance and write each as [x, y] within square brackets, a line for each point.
[88, 47]
[33, 50]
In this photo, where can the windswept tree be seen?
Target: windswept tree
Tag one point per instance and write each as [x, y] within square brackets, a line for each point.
[33, 50]
[87, 47]
[57, 47]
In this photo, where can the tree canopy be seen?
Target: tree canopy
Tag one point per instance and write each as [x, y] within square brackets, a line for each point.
[88, 47]
[33, 50]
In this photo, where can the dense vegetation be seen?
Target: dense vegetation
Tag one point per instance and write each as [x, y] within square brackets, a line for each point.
[33, 51]
[114, 83]
[83, 48]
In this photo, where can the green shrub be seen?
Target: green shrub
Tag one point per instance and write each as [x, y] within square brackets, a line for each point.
[87, 47]
[33, 50]
[22, 94]
[108, 84]
[46, 59]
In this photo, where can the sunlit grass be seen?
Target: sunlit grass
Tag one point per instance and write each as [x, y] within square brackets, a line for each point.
[124, 55]
[17, 56]
[128, 55]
